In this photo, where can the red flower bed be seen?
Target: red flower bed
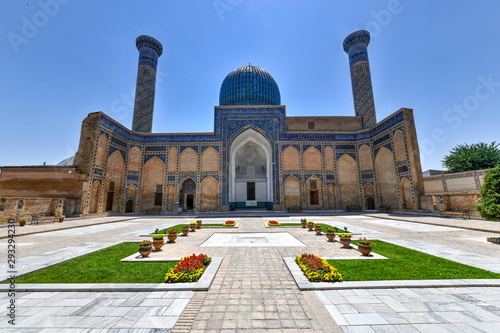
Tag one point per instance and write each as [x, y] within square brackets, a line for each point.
[192, 263]
[316, 269]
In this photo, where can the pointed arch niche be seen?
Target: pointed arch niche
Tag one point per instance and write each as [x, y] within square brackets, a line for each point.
[386, 178]
[331, 196]
[113, 183]
[405, 189]
[130, 198]
[95, 197]
[209, 194]
[347, 171]
[292, 192]
[152, 183]
[250, 168]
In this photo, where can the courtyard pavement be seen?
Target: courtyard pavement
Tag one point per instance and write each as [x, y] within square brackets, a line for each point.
[253, 290]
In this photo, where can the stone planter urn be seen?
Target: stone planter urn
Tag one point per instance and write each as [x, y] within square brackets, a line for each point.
[145, 251]
[158, 244]
[198, 224]
[330, 235]
[185, 231]
[172, 238]
[345, 241]
[365, 249]
[193, 227]
[304, 224]
[318, 230]
[310, 226]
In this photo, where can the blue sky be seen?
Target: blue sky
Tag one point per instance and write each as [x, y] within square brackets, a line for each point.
[63, 59]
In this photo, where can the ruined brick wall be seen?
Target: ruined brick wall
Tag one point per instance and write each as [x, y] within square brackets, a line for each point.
[458, 190]
[88, 138]
[40, 182]
[18, 208]
[454, 182]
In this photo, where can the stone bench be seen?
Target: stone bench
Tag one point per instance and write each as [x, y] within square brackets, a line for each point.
[464, 213]
[35, 218]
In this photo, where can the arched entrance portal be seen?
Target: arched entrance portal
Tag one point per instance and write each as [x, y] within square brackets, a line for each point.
[187, 195]
[129, 206]
[250, 172]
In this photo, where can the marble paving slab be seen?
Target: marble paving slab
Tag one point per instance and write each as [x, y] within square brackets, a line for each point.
[252, 240]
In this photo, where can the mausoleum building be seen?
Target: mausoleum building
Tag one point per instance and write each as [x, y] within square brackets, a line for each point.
[256, 155]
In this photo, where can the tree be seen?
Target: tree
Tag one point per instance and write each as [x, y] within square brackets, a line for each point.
[476, 156]
[489, 195]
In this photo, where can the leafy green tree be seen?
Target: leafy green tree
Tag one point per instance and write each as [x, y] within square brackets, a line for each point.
[476, 156]
[489, 195]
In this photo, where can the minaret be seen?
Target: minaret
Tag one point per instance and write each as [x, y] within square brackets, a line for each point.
[355, 45]
[149, 51]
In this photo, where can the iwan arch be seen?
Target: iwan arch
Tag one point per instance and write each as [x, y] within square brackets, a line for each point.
[256, 156]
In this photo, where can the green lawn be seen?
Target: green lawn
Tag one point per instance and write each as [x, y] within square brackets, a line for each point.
[179, 227]
[323, 227]
[102, 266]
[406, 264]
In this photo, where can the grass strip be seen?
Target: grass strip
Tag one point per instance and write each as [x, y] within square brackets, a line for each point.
[323, 227]
[406, 264]
[179, 227]
[103, 266]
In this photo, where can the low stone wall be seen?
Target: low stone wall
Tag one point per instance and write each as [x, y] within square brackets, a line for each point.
[18, 208]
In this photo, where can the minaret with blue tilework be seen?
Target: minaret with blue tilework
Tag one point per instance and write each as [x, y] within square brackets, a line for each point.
[149, 51]
[355, 45]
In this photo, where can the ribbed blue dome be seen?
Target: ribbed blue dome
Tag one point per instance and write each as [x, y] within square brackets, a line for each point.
[249, 85]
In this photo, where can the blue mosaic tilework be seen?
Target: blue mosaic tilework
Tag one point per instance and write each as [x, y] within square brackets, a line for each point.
[307, 176]
[403, 168]
[315, 146]
[339, 155]
[388, 146]
[381, 139]
[148, 157]
[348, 147]
[118, 142]
[113, 149]
[216, 177]
[148, 57]
[279, 115]
[155, 148]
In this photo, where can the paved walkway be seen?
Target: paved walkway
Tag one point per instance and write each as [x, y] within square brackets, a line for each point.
[415, 310]
[253, 291]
